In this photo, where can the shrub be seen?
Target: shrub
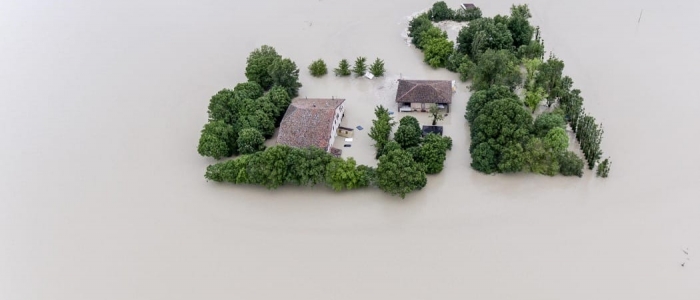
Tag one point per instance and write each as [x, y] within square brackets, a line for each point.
[318, 68]
[343, 68]
[570, 164]
[360, 66]
[377, 68]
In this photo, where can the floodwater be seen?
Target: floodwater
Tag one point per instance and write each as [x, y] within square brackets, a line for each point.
[102, 194]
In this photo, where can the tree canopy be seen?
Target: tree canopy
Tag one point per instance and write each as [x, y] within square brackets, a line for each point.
[258, 63]
[360, 66]
[440, 12]
[318, 68]
[250, 140]
[482, 34]
[437, 51]
[409, 132]
[284, 72]
[481, 97]
[399, 174]
[343, 68]
[377, 68]
[218, 140]
[381, 128]
[502, 126]
[546, 122]
[496, 68]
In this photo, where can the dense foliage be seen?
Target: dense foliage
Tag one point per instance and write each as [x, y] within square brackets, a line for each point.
[496, 68]
[318, 68]
[249, 106]
[250, 140]
[399, 174]
[604, 168]
[343, 68]
[409, 132]
[480, 98]
[217, 140]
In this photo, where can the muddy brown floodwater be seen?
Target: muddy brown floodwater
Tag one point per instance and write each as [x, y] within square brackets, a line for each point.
[102, 194]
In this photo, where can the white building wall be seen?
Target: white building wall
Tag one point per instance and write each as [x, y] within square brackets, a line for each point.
[336, 123]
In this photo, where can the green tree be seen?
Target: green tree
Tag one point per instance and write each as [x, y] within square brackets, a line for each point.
[430, 34]
[533, 49]
[416, 27]
[217, 140]
[570, 164]
[345, 175]
[258, 63]
[343, 68]
[480, 98]
[248, 90]
[466, 69]
[503, 125]
[549, 78]
[381, 128]
[534, 98]
[221, 107]
[408, 136]
[604, 168]
[482, 34]
[398, 174]
[557, 140]
[519, 25]
[435, 114]
[307, 167]
[546, 122]
[284, 72]
[377, 68]
[318, 68]
[512, 158]
[437, 51]
[228, 171]
[455, 60]
[540, 159]
[484, 158]
[269, 168]
[496, 68]
[433, 152]
[259, 120]
[360, 66]
[440, 12]
[279, 97]
[250, 140]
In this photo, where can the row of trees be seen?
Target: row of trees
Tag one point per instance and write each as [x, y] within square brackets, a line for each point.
[241, 119]
[280, 165]
[318, 68]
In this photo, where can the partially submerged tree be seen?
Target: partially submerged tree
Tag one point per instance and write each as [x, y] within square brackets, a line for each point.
[466, 15]
[360, 66]
[480, 98]
[519, 25]
[546, 122]
[440, 12]
[409, 132]
[433, 152]
[482, 34]
[437, 51]
[221, 107]
[346, 175]
[534, 98]
[399, 174]
[217, 140]
[284, 72]
[318, 68]
[377, 68]
[258, 63]
[570, 164]
[343, 68]
[604, 168]
[381, 128]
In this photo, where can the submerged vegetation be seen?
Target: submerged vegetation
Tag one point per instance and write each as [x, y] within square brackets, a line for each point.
[318, 68]
[492, 52]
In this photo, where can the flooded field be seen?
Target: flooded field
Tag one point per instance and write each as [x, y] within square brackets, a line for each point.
[102, 194]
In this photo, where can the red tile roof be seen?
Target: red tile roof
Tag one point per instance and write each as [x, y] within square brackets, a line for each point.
[308, 122]
[424, 91]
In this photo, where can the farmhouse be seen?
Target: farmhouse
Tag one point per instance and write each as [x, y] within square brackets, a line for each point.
[311, 123]
[420, 95]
